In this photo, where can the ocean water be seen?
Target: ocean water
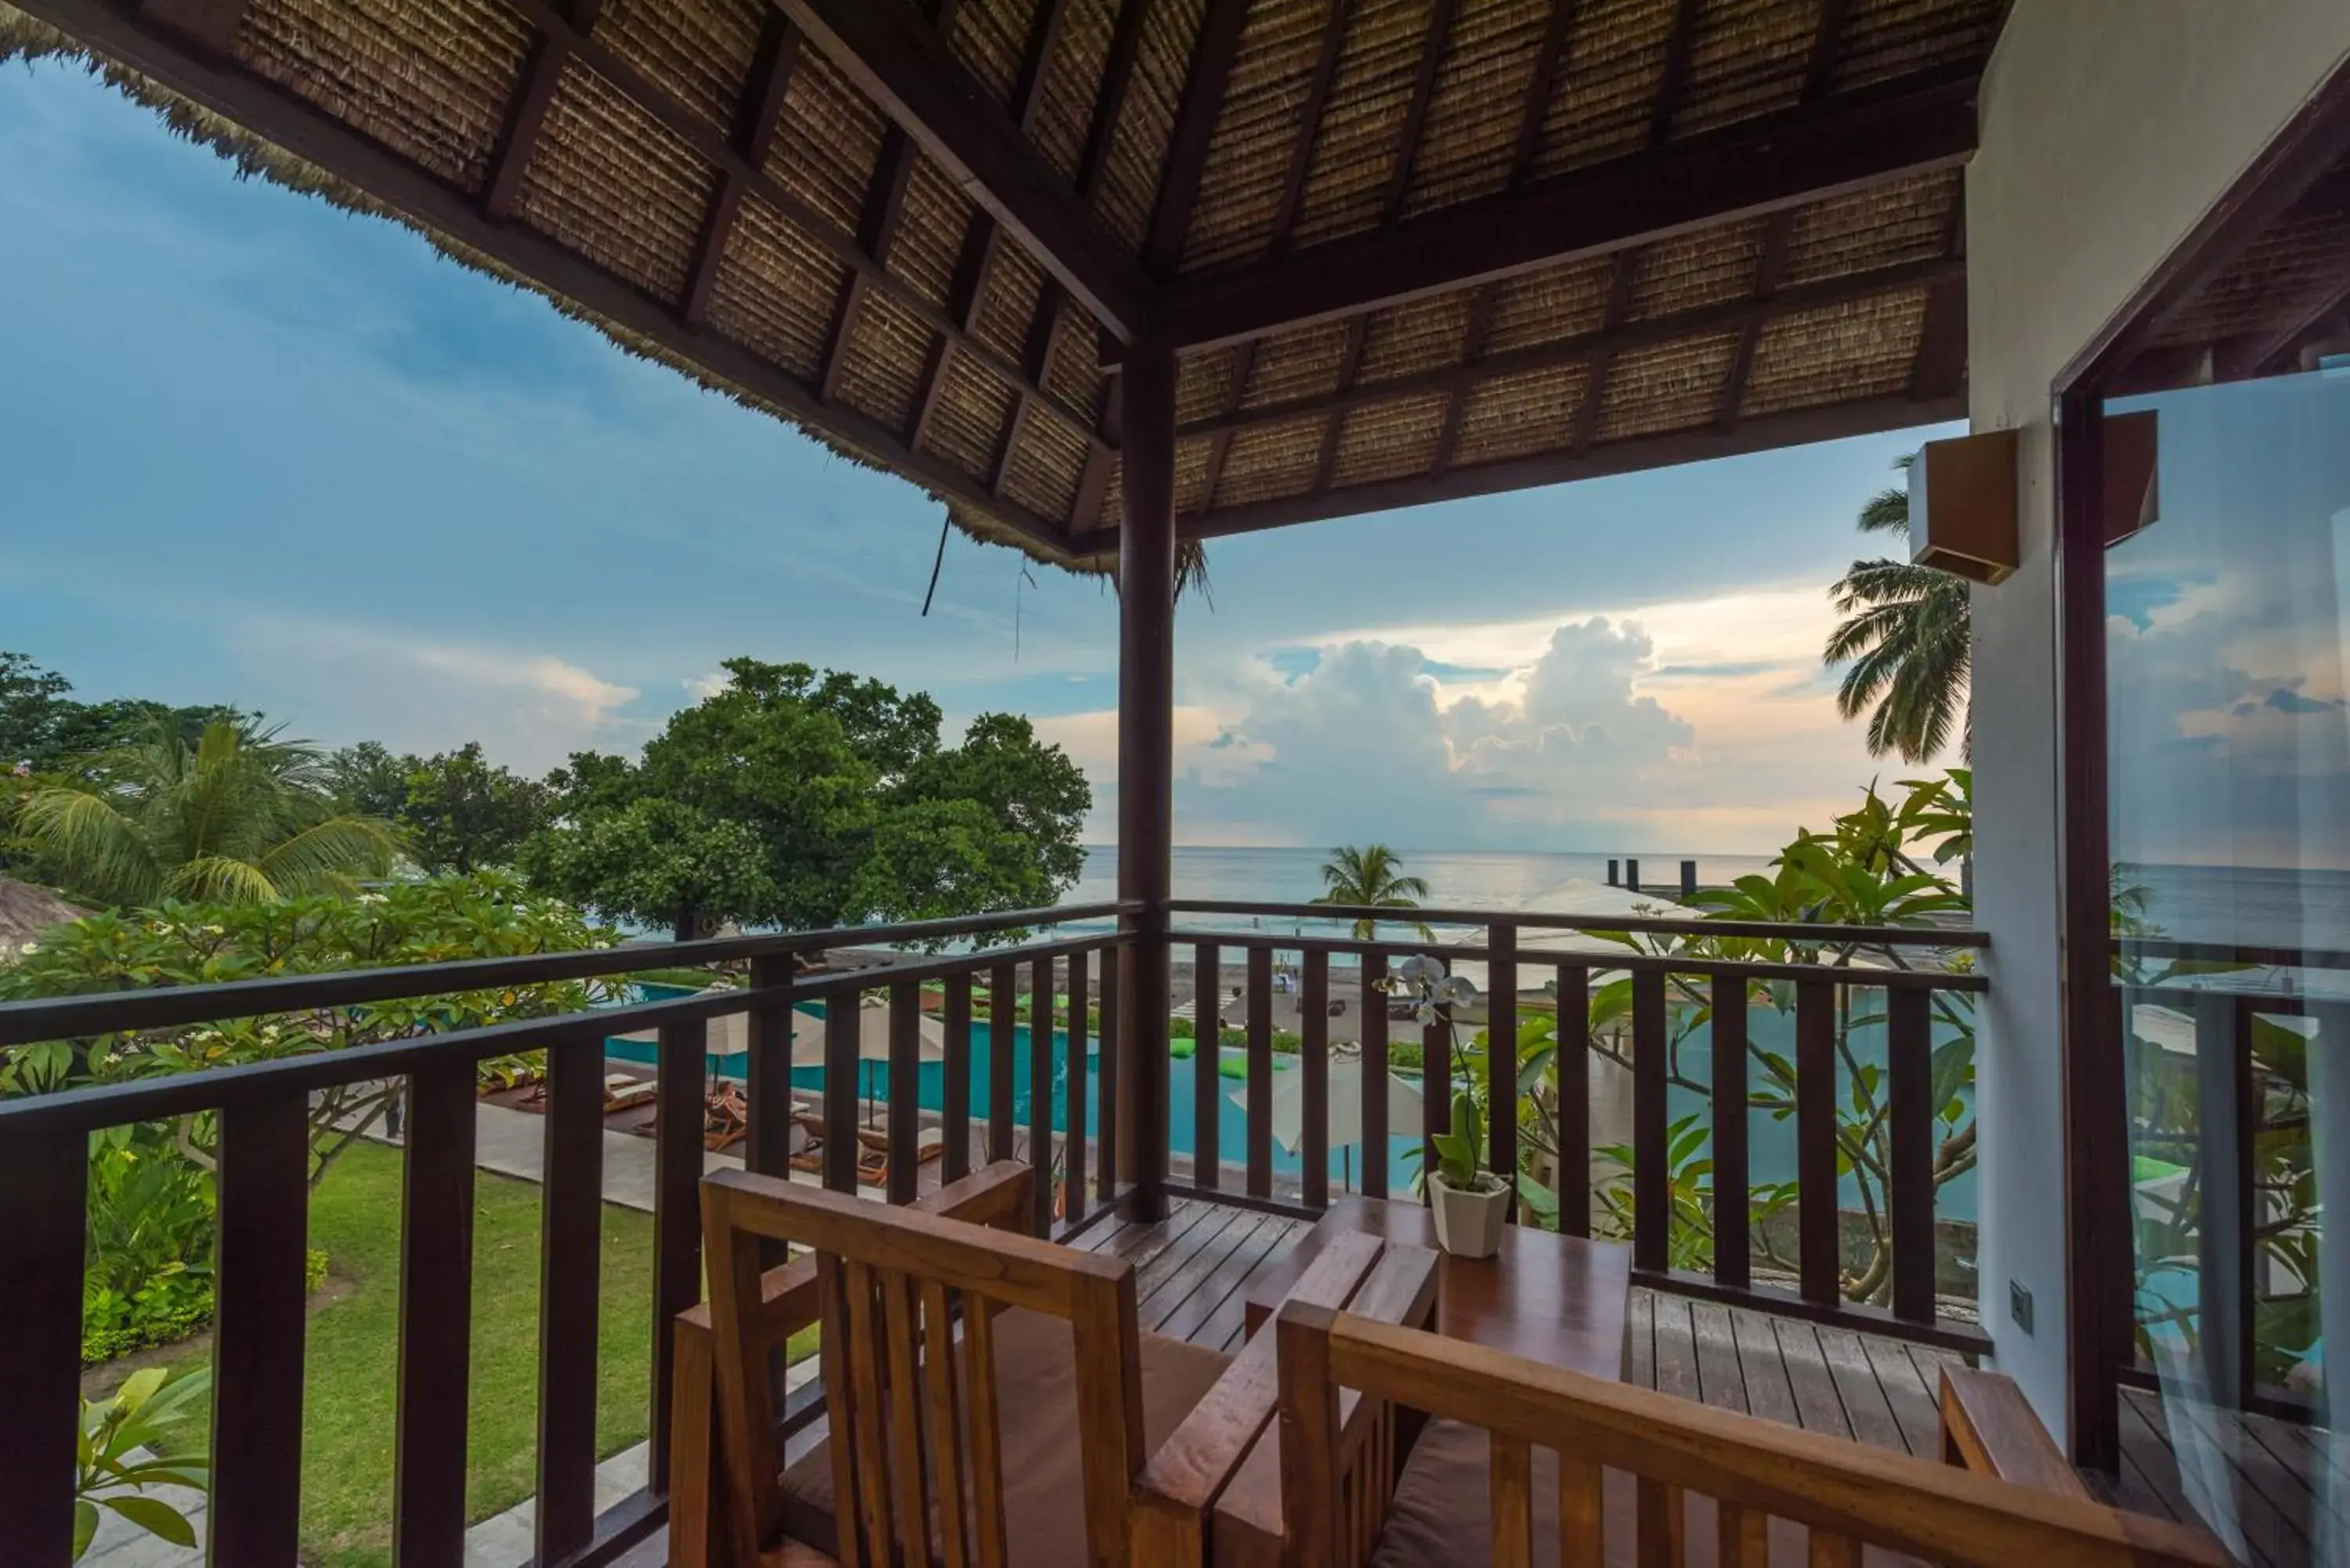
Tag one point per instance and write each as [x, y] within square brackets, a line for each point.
[1495, 880]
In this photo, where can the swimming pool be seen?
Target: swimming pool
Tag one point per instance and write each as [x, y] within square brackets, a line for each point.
[1771, 1138]
[1232, 1122]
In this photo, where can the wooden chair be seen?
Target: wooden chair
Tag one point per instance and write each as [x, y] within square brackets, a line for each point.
[1018, 1439]
[995, 1196]
[1773, 1494]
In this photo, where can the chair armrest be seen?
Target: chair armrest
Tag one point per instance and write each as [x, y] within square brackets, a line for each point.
[1181, 1483]
[1987, 1426]
[995, 1196]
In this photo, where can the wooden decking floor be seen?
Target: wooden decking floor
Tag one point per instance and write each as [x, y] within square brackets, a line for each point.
[1194, 1270]
[2284, 1481]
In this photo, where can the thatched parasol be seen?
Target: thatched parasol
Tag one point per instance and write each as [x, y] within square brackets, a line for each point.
[25, 911]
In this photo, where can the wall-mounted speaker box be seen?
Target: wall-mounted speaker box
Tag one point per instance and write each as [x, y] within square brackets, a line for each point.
[1962, 506]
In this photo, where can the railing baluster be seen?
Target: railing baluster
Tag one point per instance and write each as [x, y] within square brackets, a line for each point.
[1574, 1066]
[1260, 1072]
[1502, 1056]
[1003, 1032]
[677, 1141]
[1107, 1092]
[905, 1068]
[44, 1206]
[1435, 1088]
[1732, 1245]
[1909, 1094]
[257, 1330]
[954, 1020]
[436, 1270]
[843, 1061]
[1207, 1060]
[1073, 1182]
[1820, 1246]
[1040, 1095]
[570, 1223]
[2224, 1252]
[1652, 1182]
[1376, 1132]
[1314, 1061]
[767, 1073]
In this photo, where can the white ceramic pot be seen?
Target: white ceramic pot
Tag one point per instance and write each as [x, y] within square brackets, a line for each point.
[1467, 1222]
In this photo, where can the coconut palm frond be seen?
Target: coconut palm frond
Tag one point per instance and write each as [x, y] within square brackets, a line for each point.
[1192, 572]
[1904, 640]
[221, 880]
[327, 854]
[92, 836]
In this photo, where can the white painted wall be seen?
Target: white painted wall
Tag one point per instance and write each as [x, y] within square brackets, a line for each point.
[2108, 128]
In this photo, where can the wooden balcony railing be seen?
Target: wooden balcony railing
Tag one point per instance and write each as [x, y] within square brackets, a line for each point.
[263, 1167]
[1820, 990]
[2229, 1207]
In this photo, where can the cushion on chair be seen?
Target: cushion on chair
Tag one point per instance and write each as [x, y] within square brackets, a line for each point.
[1443, 1513]
[1043, 1486]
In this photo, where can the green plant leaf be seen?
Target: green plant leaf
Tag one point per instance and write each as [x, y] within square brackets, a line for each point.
[155, 1517]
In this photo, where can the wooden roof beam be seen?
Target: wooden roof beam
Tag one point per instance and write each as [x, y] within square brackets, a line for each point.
[718, 149]
[1726, 315]
[510, 158]
[311, 134]
[209, 24]
[1195, 128]
[755, 119]
[1819, 73]
[883, 47]
[1309, 123]
[1763, 432]
[1847, 143]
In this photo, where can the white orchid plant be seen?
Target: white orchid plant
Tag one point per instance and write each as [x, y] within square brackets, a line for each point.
[1435, 994]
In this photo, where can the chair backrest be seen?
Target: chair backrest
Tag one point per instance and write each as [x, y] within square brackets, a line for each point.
[1844, 1493]
[893, 1283]
[997, 1196]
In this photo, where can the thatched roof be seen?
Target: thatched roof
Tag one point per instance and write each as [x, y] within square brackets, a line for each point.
[1406, 248]
[26, 911]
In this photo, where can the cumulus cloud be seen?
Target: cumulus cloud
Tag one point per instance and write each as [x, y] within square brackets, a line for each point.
[530, 709]
[1697, 725]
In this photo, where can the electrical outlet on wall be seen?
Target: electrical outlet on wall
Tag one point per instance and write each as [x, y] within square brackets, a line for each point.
[2019, 1305]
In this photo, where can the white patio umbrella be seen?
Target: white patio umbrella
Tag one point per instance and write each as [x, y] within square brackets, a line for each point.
[1346, 1112]
[872, 1040]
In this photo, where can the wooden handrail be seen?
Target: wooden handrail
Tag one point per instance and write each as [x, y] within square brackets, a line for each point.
[1532, 919]
[163, 1007]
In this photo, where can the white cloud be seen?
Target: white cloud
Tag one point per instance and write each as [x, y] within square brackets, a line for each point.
[530, 710]
[1701, 726]
[702, 688]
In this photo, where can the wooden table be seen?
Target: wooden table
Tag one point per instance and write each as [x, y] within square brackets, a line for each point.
[1554, 1299]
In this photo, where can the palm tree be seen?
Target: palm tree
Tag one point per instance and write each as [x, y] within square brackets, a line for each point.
[1371, 877]
[238, 817]
[1904, 633]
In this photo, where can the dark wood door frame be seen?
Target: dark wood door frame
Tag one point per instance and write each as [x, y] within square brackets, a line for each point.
[2099, 1261]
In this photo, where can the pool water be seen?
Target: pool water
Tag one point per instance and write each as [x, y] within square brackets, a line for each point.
[1770, 1138]
[1232, 1122]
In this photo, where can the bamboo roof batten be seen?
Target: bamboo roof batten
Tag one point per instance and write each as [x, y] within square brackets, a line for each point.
[1405, 249]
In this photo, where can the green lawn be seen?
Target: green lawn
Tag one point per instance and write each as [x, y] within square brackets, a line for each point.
[348, 1418]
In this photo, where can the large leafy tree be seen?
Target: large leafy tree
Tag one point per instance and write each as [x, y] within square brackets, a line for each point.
[45, 731]
[463, 812]
[1904, 639]
[236, 816]
[810, 798]
[1371, 875]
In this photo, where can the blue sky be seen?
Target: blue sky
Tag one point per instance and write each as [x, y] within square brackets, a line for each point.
[253, 450]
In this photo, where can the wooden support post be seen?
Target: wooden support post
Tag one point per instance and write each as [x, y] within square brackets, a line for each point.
[1146, 759]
